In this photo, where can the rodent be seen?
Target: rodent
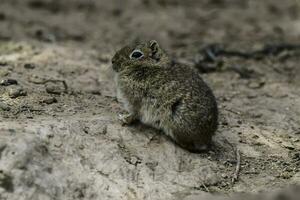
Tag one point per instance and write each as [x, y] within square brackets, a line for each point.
[165, 95]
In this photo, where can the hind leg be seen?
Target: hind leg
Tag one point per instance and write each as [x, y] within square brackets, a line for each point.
[191, 144]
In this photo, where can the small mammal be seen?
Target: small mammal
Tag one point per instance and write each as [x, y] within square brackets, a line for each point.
[169, 97]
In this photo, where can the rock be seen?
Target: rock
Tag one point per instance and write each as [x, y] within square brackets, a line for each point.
[29, 66]
[288, 145]
[6, 182]
[297, 132]
[3, 63]
[53, 88]
[256, 84]
[49, 100]
[4, 106]
[104, 58]
[243, 71]
[9, 81]
[94, 91]
[4, 72]
[15, 92]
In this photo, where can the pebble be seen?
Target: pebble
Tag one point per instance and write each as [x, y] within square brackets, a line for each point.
[49, 100]
[54, 89]
[29, 66]
[252, 96]
[257, 115]
[296, 140]
[297, 132]
[288, 146]
[95, 91]
[224, 175]
[3, 63]
[4, 72]
[8, 81]
[225, 123]
[256, 84]
[4, 106]
[104, 130]
[16, 92]
[104, 58]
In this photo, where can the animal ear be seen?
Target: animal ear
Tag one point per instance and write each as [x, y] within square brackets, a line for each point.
[154, 46]
[155, 50]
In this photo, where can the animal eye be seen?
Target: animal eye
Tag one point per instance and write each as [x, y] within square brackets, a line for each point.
[136, 54]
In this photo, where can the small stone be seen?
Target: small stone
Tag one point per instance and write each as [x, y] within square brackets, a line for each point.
[286, 175]
[256, 84]
[49, 100]
[4, 72]
[297, 132]
[224, 175]
[288, 146]
[134, 160]
[251, 96]
[3, 63]
[4, 106]
[152, 165]
[86, 130]
[244, 72]
[16, 92]
[257, 115]
[8, 81]
[104, 130]
[58, 143]
[104, 58]
[225, 123]
[296, 140]
[225, 98]
[6, 181]
[95, 91]
[255, 136]
[29, 66]
[54, 89]
[296, 156]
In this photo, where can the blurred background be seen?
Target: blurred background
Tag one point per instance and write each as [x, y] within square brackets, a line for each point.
[106, 24]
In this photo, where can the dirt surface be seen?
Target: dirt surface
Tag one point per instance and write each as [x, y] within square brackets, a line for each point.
[60, 137]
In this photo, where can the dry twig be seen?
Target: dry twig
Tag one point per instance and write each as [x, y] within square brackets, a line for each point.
[238, 166]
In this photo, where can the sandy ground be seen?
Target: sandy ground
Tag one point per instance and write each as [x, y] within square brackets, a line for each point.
[60, 137]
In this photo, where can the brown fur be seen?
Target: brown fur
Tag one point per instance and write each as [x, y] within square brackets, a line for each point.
[173, 98]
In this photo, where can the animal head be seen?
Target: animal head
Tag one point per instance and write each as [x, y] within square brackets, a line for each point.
[139, 54]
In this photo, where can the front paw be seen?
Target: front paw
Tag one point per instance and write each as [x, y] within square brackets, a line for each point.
[126, 119]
